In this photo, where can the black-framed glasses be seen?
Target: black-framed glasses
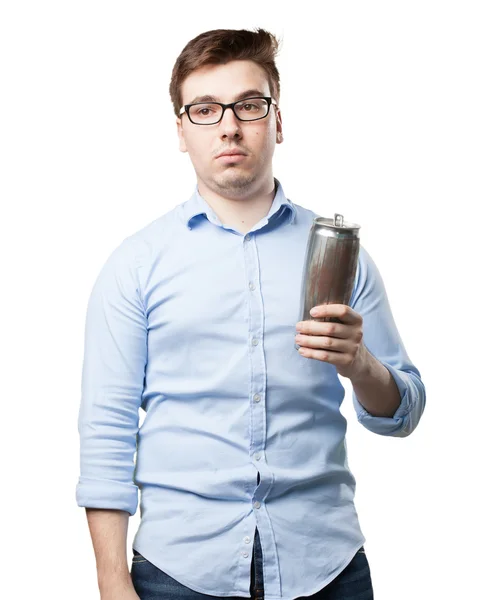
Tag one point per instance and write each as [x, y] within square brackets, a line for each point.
[209, 113]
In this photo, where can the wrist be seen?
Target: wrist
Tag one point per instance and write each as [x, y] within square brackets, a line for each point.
[118, 581]
[364, 367]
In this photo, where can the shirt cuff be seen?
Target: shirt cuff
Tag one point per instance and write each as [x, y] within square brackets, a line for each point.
[396, 424]
[102, 493]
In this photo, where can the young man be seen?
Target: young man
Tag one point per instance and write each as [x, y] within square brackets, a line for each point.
[241, 459]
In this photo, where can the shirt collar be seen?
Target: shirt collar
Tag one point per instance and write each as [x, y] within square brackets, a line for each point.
[197, 205]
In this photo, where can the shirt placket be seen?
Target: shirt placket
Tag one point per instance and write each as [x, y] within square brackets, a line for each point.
[257, 398]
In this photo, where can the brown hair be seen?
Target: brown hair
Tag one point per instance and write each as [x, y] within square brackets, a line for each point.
[218, 47]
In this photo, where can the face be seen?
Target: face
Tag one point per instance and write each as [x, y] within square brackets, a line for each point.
[233, 176]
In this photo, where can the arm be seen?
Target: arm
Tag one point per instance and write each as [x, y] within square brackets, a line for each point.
[115, 356]
[374, 397]
[108, 530]
[376, 389]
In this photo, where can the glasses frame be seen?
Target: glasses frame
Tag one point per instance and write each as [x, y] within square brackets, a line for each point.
[270, 101]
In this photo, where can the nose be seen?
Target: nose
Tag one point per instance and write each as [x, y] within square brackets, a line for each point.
[230, 125]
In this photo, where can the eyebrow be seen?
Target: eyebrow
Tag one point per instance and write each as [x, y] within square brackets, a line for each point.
[245, 94]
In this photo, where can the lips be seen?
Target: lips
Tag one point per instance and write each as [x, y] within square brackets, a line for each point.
[231, 159]
[231, 153]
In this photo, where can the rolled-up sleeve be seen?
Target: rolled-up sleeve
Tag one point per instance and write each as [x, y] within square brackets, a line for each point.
[115, 356]
[381, 337]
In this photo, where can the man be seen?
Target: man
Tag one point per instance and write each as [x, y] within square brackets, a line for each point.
[241, 458]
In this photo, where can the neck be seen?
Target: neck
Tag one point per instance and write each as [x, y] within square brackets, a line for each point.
[240, 212]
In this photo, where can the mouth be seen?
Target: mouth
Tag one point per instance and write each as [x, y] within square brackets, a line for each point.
[232, 154]
[231, 157]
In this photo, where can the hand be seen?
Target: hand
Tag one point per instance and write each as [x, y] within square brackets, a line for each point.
[340, 344]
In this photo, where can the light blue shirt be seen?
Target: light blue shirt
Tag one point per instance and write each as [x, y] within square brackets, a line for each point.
[194, 322]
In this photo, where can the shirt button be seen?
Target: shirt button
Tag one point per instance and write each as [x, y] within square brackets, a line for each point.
[252, 286]
[257, 456]
[256, 397]
[247, 237]
[257, 504]
[255, 342]
[245, 554]
[247, 539]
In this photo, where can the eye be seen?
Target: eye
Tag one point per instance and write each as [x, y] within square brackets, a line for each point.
[249, 107]
[205, 110]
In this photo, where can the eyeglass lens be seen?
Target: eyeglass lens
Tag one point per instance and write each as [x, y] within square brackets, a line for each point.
[246, 110]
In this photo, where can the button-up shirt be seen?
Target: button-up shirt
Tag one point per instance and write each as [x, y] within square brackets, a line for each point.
[195, 323]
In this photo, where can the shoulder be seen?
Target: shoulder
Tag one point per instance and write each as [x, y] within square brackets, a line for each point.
[138, 248]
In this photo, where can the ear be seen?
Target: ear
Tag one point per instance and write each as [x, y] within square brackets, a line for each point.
[279, 127]
[181, 137]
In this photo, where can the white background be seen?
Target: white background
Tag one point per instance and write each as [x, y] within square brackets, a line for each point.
[380, 110]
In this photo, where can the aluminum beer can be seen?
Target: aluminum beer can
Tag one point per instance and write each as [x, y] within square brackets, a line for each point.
[330, 265]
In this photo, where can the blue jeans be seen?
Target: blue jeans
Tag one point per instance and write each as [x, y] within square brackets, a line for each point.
[150, 583]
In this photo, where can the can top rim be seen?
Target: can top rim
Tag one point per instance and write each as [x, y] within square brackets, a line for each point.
[328, 222]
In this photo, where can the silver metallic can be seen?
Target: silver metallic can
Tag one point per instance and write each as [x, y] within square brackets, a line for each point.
[330, 265]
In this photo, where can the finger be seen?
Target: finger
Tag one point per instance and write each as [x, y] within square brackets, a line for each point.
[334, 358]
[341, 311]
[337, 330]
[326, 343]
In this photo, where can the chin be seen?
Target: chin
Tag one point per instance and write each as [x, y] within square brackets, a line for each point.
[231, 180]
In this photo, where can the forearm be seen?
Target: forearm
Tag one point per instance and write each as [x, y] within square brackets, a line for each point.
[108, 530]
[376, 389]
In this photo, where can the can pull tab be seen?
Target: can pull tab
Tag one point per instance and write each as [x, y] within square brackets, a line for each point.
[338, 220]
